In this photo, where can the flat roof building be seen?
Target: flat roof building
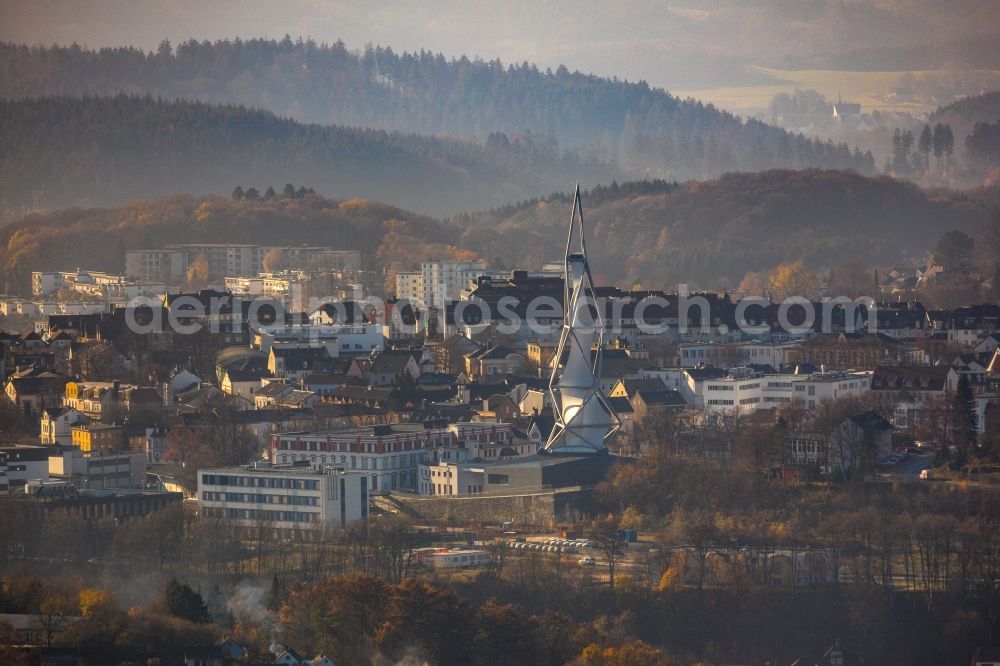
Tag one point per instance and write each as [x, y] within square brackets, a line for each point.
[286, 497]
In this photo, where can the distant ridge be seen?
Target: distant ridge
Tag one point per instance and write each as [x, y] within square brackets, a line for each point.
[644, 129]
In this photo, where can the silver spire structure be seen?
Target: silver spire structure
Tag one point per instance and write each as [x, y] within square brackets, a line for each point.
[584, 421]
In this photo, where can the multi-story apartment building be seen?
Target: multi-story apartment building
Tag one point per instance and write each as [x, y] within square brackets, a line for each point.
[286, 497]
[97, 284]
[25, 463]
[339, 339]
[164, 265]
[95, 437]
[451, 479]
[92, 470]
[389, 455]
[444, 281]
[169, 263]
[56, 425]
[410, 286]
[742, 391]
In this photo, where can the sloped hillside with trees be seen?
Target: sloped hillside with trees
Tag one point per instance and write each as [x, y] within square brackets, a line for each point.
[965, 113]
[643, 128]
[712, 233]
[97, 238]
[107, 150]
[706, 234]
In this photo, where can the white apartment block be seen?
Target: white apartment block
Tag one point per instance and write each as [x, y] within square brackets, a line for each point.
[86, 470]
[736, 354]
[451, 479]
[390, 455]
[170, 263]
[732, 395]
[742, 392]
[155, 265]
[325, 258]
[445, 280]
[97, 284]
[811, 390]
[285, 497]
[410, 286]
[339, 339]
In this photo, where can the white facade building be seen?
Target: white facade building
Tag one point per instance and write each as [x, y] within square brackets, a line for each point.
[57, 424]
[155, 265]
[741, 392]
[87, 470]
[410, 286]
[444, 281]
[97, 284]
[170, 263]
[340, 340]
[284, 497]
[389, 455]
[26, 463]
[451, 479]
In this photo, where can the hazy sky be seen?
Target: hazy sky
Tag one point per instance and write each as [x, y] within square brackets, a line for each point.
[674, 44]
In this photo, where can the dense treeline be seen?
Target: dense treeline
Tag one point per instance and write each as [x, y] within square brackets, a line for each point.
[100, 237]
[971, 119]
[106, 150]
[639, 126]
[900, 574]
[716, 231]
[703, 233]
[965, 113]
[983, 144]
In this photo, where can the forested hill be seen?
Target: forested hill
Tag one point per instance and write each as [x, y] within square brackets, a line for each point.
[97, 238]
[983, 108]
[963, 115]
[659, 233]
[107, 150]
[642, 128]
[714, 232]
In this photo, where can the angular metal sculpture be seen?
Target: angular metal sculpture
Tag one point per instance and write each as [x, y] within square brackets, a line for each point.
[584, 422]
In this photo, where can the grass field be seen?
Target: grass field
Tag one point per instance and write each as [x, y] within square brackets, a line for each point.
[873, 90]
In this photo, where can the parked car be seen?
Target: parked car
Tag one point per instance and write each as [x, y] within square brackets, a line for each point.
[587, 561]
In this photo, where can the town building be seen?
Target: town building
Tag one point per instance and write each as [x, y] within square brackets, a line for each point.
[285, 497]
[98, 469]
[410, 286]
[95, 284]
[498, 360]
[33, 389]
[858, 441]
[56, 425]
[170, 263]
[388, 454]
[742, 391]
[46, 499]
[444, 281]
[451, 479]
[339, 339]
[25, 463]
[914, 389]
[97, 437]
